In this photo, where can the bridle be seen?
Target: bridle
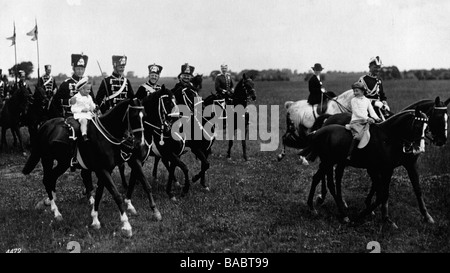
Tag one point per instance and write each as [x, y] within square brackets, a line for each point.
[408, 145]
[428, 130]
[163, 114]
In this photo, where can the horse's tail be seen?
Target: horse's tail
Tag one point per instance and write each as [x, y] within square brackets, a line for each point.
[288, 104]
[33, 160]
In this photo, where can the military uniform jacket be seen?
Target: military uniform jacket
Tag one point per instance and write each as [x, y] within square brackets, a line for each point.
[65, 92]
[113, 90]
[223, 82]
[146, 89]
[315, 90]
[374, 87]
[49, 84]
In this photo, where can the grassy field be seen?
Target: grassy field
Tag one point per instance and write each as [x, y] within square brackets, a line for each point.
[254, 206]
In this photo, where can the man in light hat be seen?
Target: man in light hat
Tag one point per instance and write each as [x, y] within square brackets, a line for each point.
[374, 87]
[116, 87]
[48, 82]
[224, 83]
[67, 88]
[151, 85]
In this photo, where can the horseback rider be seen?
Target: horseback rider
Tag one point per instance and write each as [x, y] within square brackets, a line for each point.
[184, 77]
[67, 88]
[363, 115]
[48, 82]
[317, 93]
[374, 87]
[22, 83]
[114, 88]
[151, 85]
[4, 90]
[224, 83]
[82, 105]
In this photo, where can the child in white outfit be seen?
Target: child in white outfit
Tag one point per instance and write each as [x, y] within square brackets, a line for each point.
[82, 105]
[363, 115]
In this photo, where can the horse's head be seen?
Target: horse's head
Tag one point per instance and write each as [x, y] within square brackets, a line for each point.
[40, 96]
[244, 91]
[187, 97]
[415, 136]
[438, 122]
[162, 110]
[136, 116]
[197, 81]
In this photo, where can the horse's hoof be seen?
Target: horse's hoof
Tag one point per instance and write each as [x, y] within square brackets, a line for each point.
[388, 222]
[345, 205]
[195, 178]
[59, 218]
[177, 184]
[91, 201]
[314, 212]
[174, 199]
[127, 232]
[96, 226]
[24, 154]
[157, 214]
[346, 220]
[132, 211]
[428, 219]
[206, 189]
[320, 200]
[279, 157]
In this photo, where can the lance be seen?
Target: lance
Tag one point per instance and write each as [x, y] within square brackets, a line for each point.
[104, 82]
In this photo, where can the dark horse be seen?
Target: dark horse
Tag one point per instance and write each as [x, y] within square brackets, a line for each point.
[243, 93]
[11, 115]
[36, 113]
[197, 82]
[390, 145]
[199, 139]
[162, 112]
[101, 153]
[436, 132]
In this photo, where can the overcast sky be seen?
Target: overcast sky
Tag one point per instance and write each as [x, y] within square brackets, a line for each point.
[250, 34]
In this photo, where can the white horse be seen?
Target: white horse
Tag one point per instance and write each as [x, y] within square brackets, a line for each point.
[301, 115]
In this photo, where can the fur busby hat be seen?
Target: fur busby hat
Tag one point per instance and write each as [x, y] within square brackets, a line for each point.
[79, 60]
[155, 69]
[47, 66]
[119, 60]
[187, 69]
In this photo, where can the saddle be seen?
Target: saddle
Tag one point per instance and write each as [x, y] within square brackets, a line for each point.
[364, 137]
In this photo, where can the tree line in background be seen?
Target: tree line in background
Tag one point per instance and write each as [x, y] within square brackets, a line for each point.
[386, 73]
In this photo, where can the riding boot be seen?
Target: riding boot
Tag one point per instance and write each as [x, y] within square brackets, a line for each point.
[352, 147]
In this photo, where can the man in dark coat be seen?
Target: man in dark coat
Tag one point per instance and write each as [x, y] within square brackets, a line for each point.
[151, 85]
[48, 82]
[114, 88]
[67, 89]
[184, 82]
[316, 89]
[374, 88]
[224, 83]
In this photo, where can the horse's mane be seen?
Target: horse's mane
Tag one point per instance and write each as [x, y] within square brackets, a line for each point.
[416, 104]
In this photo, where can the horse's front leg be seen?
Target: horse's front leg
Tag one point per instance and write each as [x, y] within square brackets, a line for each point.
[230, 145]
[244, 144]
[105, 179]
[123, 179]
[138, 174]
[317, 177]
[86, 176]
[204, 167]
[411, 168]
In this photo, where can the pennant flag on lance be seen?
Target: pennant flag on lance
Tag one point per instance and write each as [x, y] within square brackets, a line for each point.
[13, 38]
[34, 33]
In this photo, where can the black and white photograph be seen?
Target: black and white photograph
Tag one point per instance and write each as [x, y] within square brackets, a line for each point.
[224, 131]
